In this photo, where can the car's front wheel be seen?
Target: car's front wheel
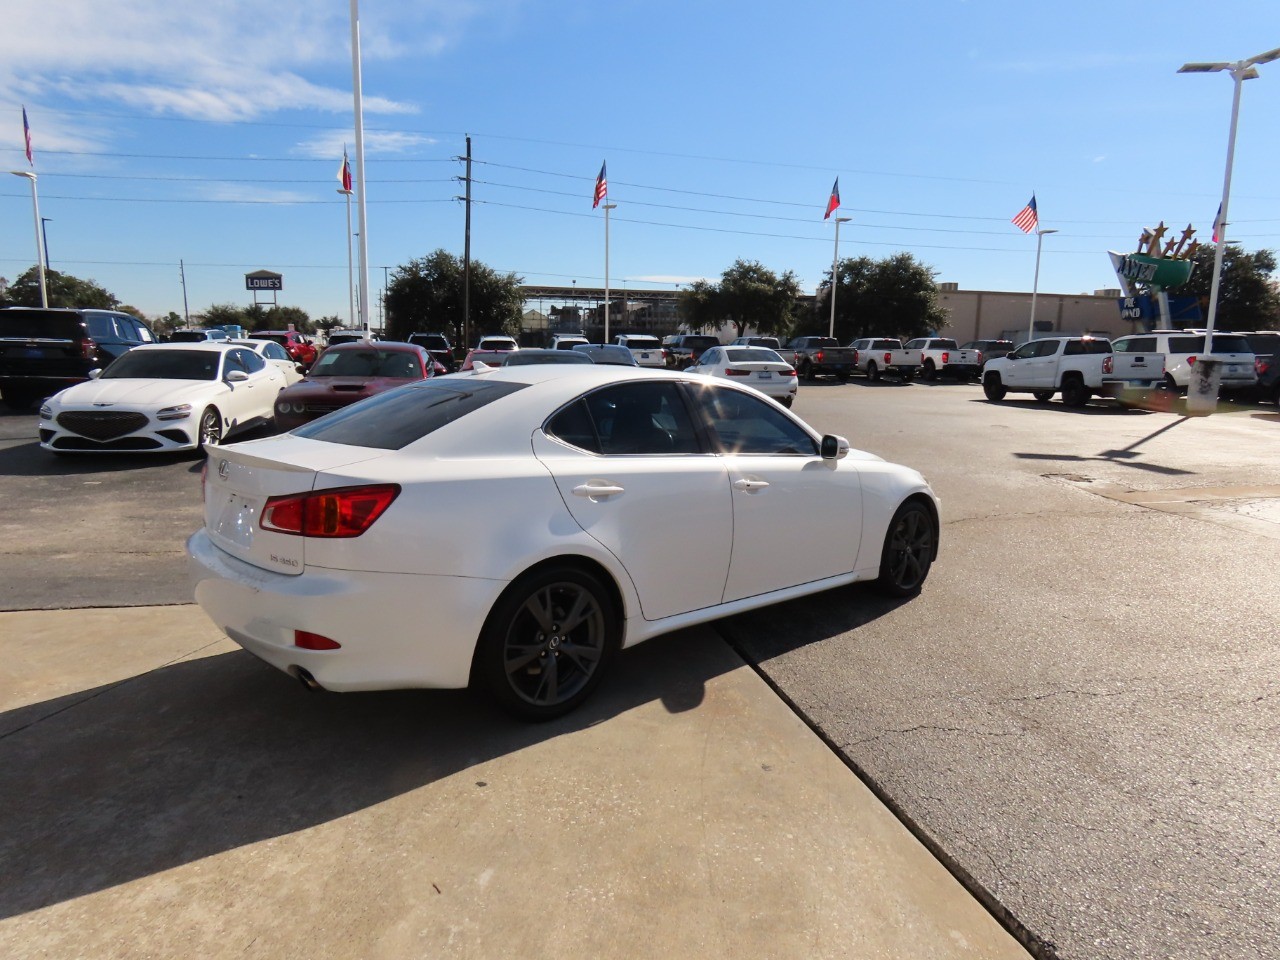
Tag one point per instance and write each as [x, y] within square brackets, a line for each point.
[908, 550]
[993, 388]
[210, 434]
[547, 642]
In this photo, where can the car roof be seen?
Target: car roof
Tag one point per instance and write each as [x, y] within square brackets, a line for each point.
[216, 346]
[395, 346]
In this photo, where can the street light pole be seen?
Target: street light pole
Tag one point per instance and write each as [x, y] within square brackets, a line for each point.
[44, 235]
[1240, 71]
[1035, 285]
[35, 205]
[835, 275]
[607, 208]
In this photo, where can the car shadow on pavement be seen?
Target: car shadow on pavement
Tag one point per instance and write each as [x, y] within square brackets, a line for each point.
[28, 460]
[781, 628]
[199, 757]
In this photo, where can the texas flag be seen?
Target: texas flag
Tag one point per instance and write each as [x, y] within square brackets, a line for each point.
[344, 172]
[834, 201]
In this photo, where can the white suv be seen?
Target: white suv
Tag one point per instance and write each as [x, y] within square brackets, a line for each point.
[1181, 349]
[645, 348]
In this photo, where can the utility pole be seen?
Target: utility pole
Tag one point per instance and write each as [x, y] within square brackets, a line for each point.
[466, 259]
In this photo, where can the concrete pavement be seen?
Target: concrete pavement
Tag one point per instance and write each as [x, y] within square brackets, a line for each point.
[163, 794]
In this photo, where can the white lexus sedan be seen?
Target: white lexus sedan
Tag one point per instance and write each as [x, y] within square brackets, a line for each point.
[757, 367]
[277, 356]
[164, 396]
[512, 532]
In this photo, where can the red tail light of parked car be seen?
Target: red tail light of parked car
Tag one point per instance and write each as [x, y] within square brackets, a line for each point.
[340, 513]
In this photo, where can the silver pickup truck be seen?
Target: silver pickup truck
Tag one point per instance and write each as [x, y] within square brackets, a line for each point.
[1077, 367]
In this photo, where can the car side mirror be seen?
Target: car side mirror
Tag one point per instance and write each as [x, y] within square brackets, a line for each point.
[95, 373]
[834, 447]
[300, 368]
[236, 376]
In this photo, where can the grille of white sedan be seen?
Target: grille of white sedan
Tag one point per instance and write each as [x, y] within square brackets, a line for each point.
[102, 424]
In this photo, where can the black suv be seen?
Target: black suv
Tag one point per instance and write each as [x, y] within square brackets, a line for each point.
[44, 350]
[684, 349]
[436, 344]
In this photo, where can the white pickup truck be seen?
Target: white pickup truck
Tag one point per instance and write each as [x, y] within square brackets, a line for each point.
[1079, 367]
[942, 356]
[873, 356]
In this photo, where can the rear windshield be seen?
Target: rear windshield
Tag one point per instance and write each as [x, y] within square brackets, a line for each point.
[165, 365]
[497, 343]
[396, 418]
[752, 355]
[885, 345]
[942, 345]
[197, 336]
[367, 363]
[429, 341]
[1233, 343]
[698, 343]
[40, 324]
[1075, 348]
[1263, 342]
[650, 343]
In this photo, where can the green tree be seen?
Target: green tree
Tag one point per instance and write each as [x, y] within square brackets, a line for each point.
[164, 326]
[427, 295]
[1247, 297]
[698, 306]
[896, 296]
[62, 289]
[751, 295]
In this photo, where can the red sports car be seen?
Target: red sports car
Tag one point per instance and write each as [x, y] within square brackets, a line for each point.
[349, 372]
[299, 350]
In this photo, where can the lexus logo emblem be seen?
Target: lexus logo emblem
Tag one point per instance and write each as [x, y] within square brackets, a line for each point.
[224, 468]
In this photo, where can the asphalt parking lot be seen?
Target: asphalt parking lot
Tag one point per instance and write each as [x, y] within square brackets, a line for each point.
[1078, 714]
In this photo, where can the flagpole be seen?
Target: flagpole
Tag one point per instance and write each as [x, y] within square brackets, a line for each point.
[835, 274]
[607, 208]
[351, 283]
[360, 181]
[1035, 284]
[35, 206]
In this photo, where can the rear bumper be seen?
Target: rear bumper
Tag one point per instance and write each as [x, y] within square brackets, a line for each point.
[396, 630]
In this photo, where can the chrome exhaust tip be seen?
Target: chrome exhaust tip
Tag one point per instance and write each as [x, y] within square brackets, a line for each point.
[308, 681]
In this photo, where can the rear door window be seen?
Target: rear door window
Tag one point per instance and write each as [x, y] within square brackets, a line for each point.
[1136, 345]
[102, 327]
[1230, 343]
[1186, 344]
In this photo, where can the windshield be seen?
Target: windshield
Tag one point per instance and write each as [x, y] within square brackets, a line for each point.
[165, 365]
[429, 341]
[366, 362]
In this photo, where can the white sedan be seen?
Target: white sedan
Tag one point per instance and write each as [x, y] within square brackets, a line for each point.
[757, 367]
[277, 356]
[166, 396]
[514, 531]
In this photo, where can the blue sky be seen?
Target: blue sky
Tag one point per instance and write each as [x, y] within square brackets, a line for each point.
[213, 132]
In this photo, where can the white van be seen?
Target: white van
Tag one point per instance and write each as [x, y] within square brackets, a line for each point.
[1181, 349]
[645, 348]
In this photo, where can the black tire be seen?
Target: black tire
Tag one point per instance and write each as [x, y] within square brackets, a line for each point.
[806, 372]
[787, 401]
[909, 546]
[993, 388]
[1275, 393]
[534, 662]
[209, 431]
[873, 372]
[1074, 392]
[930, 371]
[1169, 385]
[1044, 396]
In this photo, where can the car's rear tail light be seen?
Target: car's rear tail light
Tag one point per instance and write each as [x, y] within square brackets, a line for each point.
[789, 372]
[737, 373]
[88, 349]
[1191, 361]
[888, 358]
[979, 359]
[946, 357]
[314, 641]
[856, 354]
[339, 513]
[818, 356]
[1261, 365]
[1108, 364]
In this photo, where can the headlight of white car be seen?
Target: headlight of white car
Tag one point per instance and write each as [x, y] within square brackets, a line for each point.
[46, 412]
[180, 412]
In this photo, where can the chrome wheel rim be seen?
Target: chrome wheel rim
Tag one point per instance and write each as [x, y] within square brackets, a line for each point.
[910, 549]
[210, 429]
[554, 643]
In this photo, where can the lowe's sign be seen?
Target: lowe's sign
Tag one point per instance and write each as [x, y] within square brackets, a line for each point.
[263, 280]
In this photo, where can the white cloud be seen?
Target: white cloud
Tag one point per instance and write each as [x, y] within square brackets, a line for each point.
[216, 60]
[375, 142]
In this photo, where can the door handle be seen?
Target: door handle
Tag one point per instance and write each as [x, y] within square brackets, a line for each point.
[591, 490]
[750, 485]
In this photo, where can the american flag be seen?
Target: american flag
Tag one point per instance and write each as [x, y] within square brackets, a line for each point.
[1027, 220]
[26, 135]
[1217, 224]
[602, 187]
[344, 172]
[834, 201]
